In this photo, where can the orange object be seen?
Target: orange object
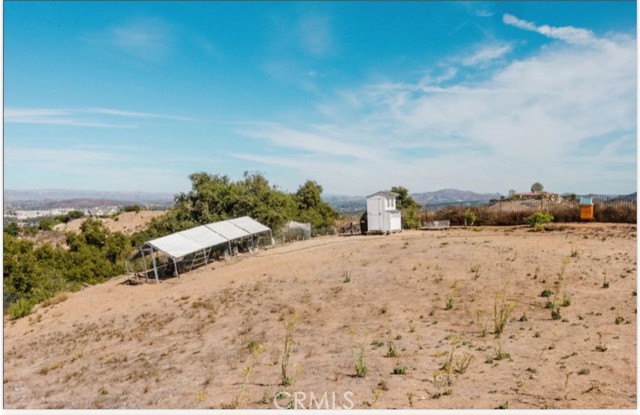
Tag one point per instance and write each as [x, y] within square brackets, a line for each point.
[586, 212]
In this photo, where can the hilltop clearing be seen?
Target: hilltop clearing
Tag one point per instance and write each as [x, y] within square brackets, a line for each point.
[416, 309]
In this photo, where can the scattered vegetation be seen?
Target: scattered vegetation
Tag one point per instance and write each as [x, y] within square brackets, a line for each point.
[361, 364]
[502, 309]
[469, 217]
[290, 326]
[391, 351]
[449, 304]
[601, 347]
[539, 220]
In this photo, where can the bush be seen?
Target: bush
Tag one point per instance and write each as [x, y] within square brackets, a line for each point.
[469, 217]
[132, 208]
[539, 219]
[21, 308]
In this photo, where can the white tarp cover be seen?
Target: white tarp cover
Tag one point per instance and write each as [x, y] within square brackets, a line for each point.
[175, 245]
[249, 225]
[203, 236]
[228, 230]
[181, 244]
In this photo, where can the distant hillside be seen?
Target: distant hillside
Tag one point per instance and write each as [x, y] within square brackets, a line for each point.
[66, 194]
[452, 195]
[354, 204]
[80, 199]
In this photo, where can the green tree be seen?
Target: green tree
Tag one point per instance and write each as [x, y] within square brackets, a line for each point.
[512, 194]
[311, 208]
[537, 187]
[408, 206]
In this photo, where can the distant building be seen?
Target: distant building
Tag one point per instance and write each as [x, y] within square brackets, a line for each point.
[382, 215]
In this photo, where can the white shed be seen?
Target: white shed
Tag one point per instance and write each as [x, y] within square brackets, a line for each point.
[382, 215]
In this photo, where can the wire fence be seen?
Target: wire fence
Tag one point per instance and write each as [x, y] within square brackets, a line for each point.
[607, 208]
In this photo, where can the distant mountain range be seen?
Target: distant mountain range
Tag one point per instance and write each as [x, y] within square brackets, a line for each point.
[81, 199]
[65, 194]
[353, 204]
[452, 195]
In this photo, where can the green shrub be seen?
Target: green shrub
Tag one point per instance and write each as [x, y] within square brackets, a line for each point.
[469, 217]
[20, 308]
[539, 220]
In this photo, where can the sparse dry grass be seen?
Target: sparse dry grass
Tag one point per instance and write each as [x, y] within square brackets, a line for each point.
[116, 346]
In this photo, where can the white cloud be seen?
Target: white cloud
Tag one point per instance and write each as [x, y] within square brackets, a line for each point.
[566, 33]
[136, 114]
[55, 117]
[486, 54]
[81, 117]
[146, 38]
[476, 8]
[306, 141]
[526, 121]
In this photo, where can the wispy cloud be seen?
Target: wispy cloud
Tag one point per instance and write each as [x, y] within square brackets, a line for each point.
[147, 38]
[528, 119]
[55, 117]
[89, 117]
[136, 114]
[477, 8]
[315, 35]
[310, 142]
[487, 53]
[566, 33]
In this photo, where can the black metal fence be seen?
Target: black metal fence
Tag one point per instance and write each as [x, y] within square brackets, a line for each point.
[607, 208]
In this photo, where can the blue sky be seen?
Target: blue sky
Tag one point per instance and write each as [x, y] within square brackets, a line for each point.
[359, 96]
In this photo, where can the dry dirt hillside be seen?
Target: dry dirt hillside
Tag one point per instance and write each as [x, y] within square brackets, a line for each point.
[416, 309]
[126, 222]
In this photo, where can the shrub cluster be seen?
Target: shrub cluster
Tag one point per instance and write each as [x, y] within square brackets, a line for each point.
[33, 274]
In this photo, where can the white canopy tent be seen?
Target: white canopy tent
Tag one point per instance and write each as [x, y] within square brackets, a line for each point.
[200, 241]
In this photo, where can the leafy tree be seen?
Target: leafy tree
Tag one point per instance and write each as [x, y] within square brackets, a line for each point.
[512, 194]
[94, 232]
[312, 209]
[537, 187]
[408, 206]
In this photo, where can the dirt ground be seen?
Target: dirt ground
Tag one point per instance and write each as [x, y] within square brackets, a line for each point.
[417, 309]
[126, 222]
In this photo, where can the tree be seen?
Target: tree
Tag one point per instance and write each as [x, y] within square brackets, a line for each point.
[408, 206]
[312, 209]
[537, 187]
[512, 194]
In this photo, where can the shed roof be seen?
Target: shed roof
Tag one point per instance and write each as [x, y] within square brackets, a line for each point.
[388, 195]
[181, 244]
